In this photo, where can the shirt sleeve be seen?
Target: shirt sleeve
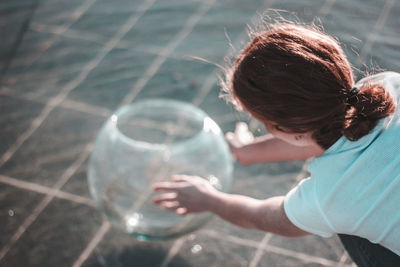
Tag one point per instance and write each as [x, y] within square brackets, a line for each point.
[302, 208]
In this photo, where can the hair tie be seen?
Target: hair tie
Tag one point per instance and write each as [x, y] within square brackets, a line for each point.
[352, 96]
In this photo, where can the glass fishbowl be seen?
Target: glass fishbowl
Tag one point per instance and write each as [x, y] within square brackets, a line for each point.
[146, 142]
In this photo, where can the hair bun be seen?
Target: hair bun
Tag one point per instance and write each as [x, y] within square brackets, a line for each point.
[371, 104]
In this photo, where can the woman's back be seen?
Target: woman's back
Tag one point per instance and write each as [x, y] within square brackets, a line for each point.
[354, 186]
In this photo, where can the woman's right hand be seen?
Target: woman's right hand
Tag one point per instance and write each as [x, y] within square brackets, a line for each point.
[185, 194]
[238, 140]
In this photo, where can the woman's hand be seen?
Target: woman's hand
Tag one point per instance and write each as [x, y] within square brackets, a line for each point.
[185, 194]
[239, 139]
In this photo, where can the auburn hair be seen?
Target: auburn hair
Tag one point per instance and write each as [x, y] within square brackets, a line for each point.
[299, 78]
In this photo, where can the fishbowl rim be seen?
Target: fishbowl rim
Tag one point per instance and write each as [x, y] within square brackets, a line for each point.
[146, 103]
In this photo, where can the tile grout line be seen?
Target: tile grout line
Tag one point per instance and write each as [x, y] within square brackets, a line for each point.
[176, 246]
[380, 22]
[263, 245]
[271, 248]
[156, 64]
[44, 203]
[67, 103]
[74, 34]
[28, 186]
[74, 167]
[24, 136]
[77, 14]
[260, 250]
[342, 261]
[301, 256]
[326, 7]
[99, 39]
[104, 228]
[51, 81]
[230, 238]
[87, 108]
[56, 101]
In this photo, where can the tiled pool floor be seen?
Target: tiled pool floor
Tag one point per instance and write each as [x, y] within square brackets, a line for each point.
[67, 65]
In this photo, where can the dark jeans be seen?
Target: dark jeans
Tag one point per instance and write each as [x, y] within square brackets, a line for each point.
[366, 254]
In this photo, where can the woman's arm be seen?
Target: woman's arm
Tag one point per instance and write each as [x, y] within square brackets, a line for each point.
[270, 149]
[248, 150]
[187, 194]
[266, 215]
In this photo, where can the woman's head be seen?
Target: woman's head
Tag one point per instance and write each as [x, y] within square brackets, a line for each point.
[298, 79]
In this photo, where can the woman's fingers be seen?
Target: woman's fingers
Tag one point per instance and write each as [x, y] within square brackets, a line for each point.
[185, 180]
[175, 207]
[179, 178]
[230, 136]
[181, 211]
[233, 141]
[243, 134]
[165, 186]
[170, 205]
[165, 197]
[240, 137]
[172, 185]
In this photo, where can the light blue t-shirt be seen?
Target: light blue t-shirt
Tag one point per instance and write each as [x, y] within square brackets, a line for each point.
[354, 187]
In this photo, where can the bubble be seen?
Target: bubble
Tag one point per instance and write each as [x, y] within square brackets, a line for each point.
[196, 249]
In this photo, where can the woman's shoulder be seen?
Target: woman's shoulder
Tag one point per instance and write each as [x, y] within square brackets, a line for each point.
[382, 77]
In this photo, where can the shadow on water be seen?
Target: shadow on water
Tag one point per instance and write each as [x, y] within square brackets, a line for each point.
[135, 257]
